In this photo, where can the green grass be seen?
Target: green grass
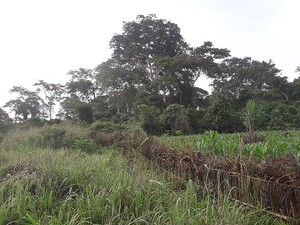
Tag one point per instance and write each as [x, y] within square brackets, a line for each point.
[42, 186]
[276, 144]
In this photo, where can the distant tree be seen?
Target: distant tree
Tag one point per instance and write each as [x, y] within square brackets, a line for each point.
[26, 103]
[121, 83]
[52, 93]
[83, 84]
[5, 123]
[144, 39]
[284, 116]
[3, 115]
[69, 107]
[294, 88]
[152, 58]
[85, 113]
[244, 74]
[183, 70]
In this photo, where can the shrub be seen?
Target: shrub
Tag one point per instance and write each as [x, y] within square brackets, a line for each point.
[174, 118]
[222, 116]
[52, 137]
[86, 145]
[148, 116]
[105, 127]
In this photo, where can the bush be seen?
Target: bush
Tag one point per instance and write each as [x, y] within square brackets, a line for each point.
[175, 118]
[148, 116]
[222, 116]
[105, 127]
[284, 116]
[86, 145]
[52, 137]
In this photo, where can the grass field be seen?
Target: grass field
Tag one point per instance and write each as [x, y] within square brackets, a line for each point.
[40, 185]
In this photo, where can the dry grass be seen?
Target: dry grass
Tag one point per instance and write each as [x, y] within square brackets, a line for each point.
[273, 184]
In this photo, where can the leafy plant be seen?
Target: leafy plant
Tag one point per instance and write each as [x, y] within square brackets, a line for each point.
[86, 145]
[250, 136]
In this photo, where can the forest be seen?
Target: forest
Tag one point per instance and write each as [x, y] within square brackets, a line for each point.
[152, 78]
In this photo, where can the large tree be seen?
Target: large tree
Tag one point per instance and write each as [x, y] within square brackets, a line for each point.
[51, 92]
[151, 60]
[183, 70]
[239, 75]
[26, 103]
[83, 84]
[120, 82]
[143, 40]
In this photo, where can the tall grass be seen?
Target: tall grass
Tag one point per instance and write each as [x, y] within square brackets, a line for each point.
[43, 186]
[69, 186]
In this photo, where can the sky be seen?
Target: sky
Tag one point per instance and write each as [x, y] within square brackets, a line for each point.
[43, 39]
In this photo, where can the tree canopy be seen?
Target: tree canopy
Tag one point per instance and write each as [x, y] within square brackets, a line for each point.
[152, 76]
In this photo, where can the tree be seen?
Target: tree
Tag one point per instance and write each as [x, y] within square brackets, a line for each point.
[183, 70]
[284, 116]
[5, 123]
[294, 88]
[244, 74]
[69, 107]
[3, 115]
[26, 103]
[148, 116]
[145, 39]
[222, 115]
[52, 93]
[83, 83]
[175, 118]
[85, 113]
[120, 82]
[150, 56]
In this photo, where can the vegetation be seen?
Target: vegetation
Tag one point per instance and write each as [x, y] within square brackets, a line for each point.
[70, 170]
[276, 143]
[158, 72]
[70, 186]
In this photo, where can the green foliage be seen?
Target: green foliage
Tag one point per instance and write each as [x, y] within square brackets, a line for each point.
[222, 115]
[85, 145]
[175, 118]
[148, 116]
[85, 113]
[62, 187]
[284, 116]
[52, 137]
[276, 144]
[105, 127]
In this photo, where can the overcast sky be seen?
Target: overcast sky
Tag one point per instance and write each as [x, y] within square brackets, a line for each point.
[42, 39]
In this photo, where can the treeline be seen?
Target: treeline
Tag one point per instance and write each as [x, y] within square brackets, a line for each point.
[152, 78]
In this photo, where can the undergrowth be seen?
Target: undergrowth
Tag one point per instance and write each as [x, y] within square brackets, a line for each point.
[43, 186]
